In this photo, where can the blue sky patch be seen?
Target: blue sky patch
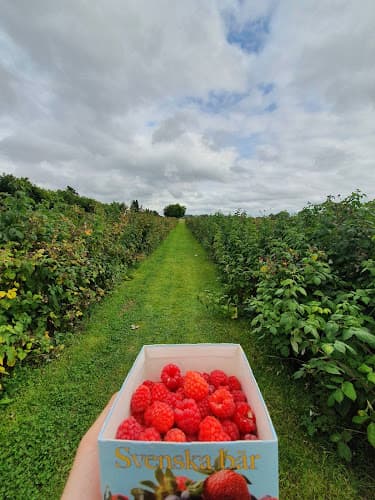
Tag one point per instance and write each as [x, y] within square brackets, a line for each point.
[246, 145]
[217, 101]
[266, 88]
[252, 36]
[271, 107]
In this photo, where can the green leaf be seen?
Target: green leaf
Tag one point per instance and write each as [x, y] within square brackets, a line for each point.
[331, 368]
[349, 391]
[340, 346]
[344, 451]
[149, 484]
[371, 433]
[159, 475]
[364, 335]
[364, 368]
[338, 395]
[328, 348]
[294, 345]
[371, 377]
[357, 419]
[335, 438]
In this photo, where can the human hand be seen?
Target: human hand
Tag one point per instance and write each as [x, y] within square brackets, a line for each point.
[84, 478]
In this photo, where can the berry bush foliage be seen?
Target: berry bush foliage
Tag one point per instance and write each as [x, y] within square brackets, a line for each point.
[306, 281]
[59, 253]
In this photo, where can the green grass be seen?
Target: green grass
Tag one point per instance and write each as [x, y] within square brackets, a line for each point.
[54, 404]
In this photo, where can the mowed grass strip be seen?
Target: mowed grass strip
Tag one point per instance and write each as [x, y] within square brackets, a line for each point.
[54, 405]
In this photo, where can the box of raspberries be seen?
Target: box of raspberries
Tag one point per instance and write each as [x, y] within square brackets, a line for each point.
[189, 423]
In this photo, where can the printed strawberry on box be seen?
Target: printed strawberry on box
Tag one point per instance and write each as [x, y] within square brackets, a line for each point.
[222, 441]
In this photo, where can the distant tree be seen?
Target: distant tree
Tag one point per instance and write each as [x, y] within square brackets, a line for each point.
[175, 210]
[134, 207]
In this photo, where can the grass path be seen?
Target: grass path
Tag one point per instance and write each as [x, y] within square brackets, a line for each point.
[55, 404]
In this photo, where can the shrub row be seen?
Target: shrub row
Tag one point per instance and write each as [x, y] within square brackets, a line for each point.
[306, 282]
[56, 258]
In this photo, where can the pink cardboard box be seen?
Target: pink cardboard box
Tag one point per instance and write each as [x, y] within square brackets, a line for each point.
[124, 463]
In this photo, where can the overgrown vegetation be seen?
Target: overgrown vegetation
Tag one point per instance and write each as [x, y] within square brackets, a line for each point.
[55, 403]
[307, 283]
[60, 252]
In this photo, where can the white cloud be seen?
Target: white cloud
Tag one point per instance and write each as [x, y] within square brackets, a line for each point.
[149, 100]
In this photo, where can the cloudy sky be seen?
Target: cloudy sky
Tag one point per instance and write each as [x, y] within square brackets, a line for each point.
[259, 105]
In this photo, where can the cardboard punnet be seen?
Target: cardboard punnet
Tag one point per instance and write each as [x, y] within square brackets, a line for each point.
[124, 463]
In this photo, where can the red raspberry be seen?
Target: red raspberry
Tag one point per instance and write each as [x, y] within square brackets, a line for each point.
[222, 403]
[206, 376]
[231, 429]
[218, 377]
[187, 416]
[195, 386]
[239, 395]
[182, 482]
[250, 437]
[149, 383]
[176, 435]
[180, 393]
[147, 416]
[204, 407]
[171, 399]
[141, 399]
[171, 376]
[158, 392]
[234, 383]
[161, 416]
[244, 418]
[139, 418]
[129, 429]
[149, 434]
[210, 429]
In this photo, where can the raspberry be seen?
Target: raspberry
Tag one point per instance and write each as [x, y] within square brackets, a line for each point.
[204, 407]
[234, 383]
[129, 429]
[158, 392]
[182, 482]
[231, 429]
[176, 435]
[161, 416]
[149, 383]
[171, 398]
[222, 403]
[187, 416]
[149, 434]
[195, 386]
[141, 399]
[244, 418]
[218, 377]
[206, 376]
[250, 437]
[238, 395]
[139, 418]
[210, 429]
[171, 376]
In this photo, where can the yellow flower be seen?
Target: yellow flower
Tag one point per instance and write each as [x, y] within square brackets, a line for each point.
[264, 269]
[88, 232]
[2, 294]
[12, 293]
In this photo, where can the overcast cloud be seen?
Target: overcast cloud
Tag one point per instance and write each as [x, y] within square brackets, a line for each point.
[218, 105]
